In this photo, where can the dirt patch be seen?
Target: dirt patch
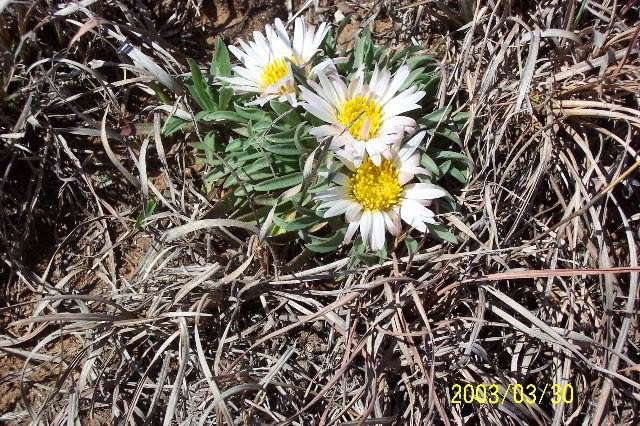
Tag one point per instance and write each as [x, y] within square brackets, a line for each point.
[194, 29]
[37, 378]
[133, 254]
[9, 389]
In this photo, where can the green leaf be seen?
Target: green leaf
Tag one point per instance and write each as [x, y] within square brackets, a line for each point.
[258, 164]
[280, 107]
[198, 88]
[458, 175]
[369, 259]
[461, 117]
[356, 253]
[412, 245]
[285, 137]
[160, 93]
[374, 54]
[210, 146]
[323, 245]
[280, 182]
[444, 167]
[221, 63]
[298, 224]
[243, 156]
[431, 87]
[328, 45]
[148, 211]
[431, 120]
[246, 178]
[442, 233]
[359, 51]
[429, 164]
[303, 140]
[220, 116]
[419, 61]
[449, 134]
[252, 113]
[265, 200]
[173, 124]
[404, 53]
[304, 211]
[281, 149]
[413, 76]
[286, 114]
[452, 155]
[224, 206]
[368, 48]
[225, 93]
[234, 145]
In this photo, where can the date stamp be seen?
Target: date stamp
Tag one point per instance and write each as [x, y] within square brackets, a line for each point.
[516, 393]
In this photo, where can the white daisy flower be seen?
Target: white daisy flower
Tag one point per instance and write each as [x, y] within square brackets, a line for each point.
[373, 110]
[375, 197]
[267, 61]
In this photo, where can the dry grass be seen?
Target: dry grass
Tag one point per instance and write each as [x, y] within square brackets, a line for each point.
[180, 317]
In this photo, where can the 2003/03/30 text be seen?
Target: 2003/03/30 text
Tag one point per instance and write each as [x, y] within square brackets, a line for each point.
[516, 393]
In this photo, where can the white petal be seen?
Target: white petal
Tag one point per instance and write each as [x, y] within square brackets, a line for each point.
[399, 121]
[392, 222]
[423, 191]
[337, 207]
[353, 226]
[377, 147]
[338, 83]
[377, 230]
[359, 149]
[375, 156]
[373, 81]
[338, 141]
[316, 105]
[262, 99]
[252, 73]
[398, 80]
[364, 130]
[332, 94]
[353, 213]
[320, 110]
[321, 33]
[356, 85]
[411, 145]
[298, 36]
[237, 52]
[406, 174]
[335, 193]
[346, 157]
[327, 66]
[413, 221]
[323, 131]
[402, 103]
[415, 214]
[383, 86]
[342, 179]
[365, 227]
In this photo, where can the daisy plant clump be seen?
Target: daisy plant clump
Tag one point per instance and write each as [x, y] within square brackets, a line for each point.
[325, 149]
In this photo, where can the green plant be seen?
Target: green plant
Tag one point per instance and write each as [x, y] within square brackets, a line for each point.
[262, 156]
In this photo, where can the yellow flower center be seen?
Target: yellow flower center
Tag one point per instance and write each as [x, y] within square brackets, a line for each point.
[274, 71]
[363, 109]
[376, 187]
